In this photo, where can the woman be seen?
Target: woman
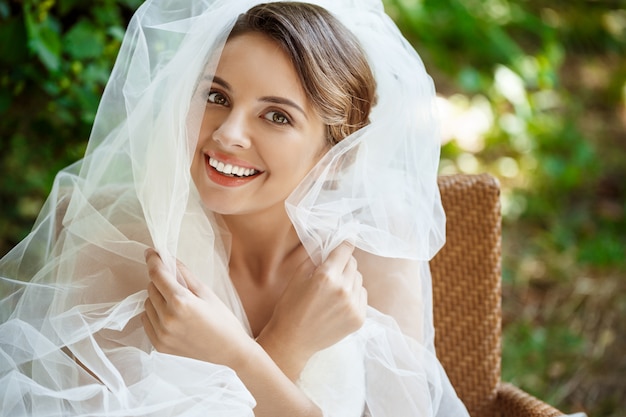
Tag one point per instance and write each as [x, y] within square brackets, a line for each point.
[238, 141]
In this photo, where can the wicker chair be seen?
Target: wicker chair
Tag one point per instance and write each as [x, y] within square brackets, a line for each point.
[467, 300]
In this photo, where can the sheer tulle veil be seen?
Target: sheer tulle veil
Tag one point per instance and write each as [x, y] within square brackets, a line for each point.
[71, 342]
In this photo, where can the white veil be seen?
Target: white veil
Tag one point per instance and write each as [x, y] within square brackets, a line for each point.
[72, 290]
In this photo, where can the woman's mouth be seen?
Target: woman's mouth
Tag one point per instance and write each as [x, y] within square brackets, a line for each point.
[229, 173]
[230, 169]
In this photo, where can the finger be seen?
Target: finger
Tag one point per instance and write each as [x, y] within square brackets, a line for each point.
[193, 284]
[305, 269]
[149, 329]
[339, 257]
[151, 314]
[351, 262]
[351, 278]
[163, 279]
[155, 297]
[357, 283]
[351, 266]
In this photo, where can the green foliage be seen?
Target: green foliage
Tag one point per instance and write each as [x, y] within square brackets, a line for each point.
[519, 57]
[56, 58]
[540, 92]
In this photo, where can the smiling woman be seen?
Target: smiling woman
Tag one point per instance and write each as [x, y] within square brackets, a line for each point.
[248, 232]
[257, 117]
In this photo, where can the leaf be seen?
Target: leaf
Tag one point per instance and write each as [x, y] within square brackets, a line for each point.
[84, 41]
[44, 40]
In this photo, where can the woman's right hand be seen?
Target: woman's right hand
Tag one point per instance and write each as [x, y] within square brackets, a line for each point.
[319, 307]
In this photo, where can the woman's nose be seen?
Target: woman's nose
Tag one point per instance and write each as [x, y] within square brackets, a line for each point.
[233, 132]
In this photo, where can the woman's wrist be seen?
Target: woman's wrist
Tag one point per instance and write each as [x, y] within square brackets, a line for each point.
[290, 359]
[275, 391]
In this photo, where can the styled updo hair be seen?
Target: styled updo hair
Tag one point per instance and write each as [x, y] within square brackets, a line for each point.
[330, 63]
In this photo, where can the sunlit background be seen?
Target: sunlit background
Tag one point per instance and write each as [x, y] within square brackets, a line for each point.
[533, 92]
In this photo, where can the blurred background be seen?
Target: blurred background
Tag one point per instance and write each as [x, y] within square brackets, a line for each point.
[531, 91]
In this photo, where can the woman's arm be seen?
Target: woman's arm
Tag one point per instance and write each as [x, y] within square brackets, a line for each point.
[276, 395]
[193, 322]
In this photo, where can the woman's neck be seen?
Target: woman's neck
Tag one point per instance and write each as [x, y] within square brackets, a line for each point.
[260, 244]
[265, 253]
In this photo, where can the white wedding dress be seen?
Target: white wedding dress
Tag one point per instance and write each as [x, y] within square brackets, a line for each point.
[71, 342]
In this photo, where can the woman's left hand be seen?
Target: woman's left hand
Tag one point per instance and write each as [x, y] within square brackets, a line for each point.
[319, 307]
[192, 321]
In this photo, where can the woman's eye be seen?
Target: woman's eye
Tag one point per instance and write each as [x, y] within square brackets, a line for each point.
[277, 117]
[217, 98]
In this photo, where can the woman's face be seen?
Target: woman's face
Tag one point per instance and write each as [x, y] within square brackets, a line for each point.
[259, 135]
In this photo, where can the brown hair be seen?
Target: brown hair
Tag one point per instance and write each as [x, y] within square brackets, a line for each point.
[331, 65]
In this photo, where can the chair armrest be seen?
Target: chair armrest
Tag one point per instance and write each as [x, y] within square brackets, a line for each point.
[513, 402]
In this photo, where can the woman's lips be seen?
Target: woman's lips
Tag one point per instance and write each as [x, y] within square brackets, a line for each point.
[229, 172]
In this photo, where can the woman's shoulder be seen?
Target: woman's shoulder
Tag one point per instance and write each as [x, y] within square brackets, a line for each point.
[394, 288]
[381, 268]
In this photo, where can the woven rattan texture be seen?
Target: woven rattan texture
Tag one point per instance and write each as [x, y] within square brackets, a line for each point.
[516, 403]
[467, 290]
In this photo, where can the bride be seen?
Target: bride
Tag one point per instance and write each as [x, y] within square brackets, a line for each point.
[249, 230]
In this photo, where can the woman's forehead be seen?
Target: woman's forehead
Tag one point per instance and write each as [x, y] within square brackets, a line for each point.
[256, 58]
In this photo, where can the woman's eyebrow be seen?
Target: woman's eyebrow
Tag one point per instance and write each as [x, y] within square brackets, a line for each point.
[218, 80]
[285, 101]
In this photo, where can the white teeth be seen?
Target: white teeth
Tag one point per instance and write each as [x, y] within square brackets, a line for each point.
[229, 169]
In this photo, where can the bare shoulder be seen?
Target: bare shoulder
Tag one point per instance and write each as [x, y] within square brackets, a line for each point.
[394, 288]
[381, 268]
